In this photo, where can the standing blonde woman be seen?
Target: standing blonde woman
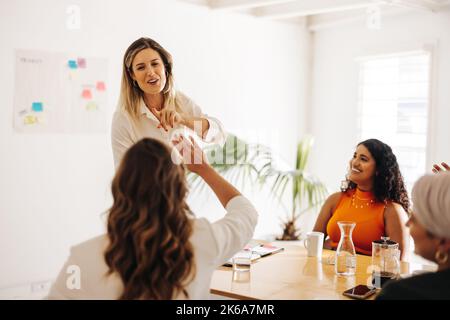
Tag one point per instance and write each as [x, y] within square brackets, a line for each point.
[149, 106]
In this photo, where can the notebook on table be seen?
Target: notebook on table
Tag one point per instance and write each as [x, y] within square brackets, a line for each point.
[258, 251]
[266, 249]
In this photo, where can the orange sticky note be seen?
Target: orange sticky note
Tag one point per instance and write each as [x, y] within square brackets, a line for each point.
[100, 86]
[86, 94]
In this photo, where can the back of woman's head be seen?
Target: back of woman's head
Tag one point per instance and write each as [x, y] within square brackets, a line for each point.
[388, 184]
[149, 225]
[431, 198]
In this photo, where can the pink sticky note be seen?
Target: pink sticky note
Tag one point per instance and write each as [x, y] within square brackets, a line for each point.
[86, 94]
[100, 86]
[82, 63]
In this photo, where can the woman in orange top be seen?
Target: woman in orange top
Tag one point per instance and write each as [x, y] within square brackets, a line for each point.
[374, 196]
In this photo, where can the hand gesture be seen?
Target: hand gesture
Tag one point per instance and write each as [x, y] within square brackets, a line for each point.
[168, 118]
[193, 157]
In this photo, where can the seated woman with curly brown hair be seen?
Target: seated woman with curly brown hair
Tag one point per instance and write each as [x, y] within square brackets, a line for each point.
[154, 247]
[374, 196]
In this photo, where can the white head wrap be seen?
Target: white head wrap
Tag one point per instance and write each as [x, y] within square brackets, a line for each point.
[431, 199]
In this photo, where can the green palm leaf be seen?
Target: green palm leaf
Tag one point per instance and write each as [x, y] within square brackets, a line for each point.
[241, 162]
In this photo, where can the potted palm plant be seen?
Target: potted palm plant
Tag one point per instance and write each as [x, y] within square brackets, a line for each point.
[307, 192]
[242, 162]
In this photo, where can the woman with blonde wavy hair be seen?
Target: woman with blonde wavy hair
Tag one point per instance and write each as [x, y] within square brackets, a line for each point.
[150, 106]
[154, 247]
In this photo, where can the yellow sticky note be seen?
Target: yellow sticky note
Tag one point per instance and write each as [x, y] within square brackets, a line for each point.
[30, 119]
[73, 75]
[91, 105]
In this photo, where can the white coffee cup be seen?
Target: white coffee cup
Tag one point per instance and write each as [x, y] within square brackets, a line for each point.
[314, 243]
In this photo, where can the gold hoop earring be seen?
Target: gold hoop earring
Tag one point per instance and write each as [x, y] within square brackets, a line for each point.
[441, 257]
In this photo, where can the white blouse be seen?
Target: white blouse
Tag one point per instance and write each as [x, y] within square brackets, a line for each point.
[125, 131]
[214, 243]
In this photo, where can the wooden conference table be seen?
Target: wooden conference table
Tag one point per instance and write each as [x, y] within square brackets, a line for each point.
[292, 275]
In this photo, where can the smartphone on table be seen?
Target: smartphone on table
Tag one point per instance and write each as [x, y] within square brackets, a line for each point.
[360, 292]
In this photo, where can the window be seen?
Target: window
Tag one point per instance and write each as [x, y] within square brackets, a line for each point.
[393, 107]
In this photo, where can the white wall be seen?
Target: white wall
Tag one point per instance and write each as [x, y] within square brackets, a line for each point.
[335, 84]
[249, 73]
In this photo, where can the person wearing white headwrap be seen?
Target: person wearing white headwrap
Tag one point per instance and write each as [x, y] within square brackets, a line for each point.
[430, 228]
[431, 198]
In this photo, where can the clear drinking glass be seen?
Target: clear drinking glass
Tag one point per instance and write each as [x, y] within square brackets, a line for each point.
[345, 262]
[242, 261]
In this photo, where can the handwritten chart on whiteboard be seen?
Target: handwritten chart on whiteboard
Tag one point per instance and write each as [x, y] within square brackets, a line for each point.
[59, 93]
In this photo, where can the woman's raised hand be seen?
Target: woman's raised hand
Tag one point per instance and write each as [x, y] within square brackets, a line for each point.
[193, 156]
[195, 160]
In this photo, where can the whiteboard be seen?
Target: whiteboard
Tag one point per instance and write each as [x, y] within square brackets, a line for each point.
[59, 93]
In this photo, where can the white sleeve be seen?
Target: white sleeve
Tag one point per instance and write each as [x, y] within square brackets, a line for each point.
[216, 132]
[120, 137]
[235, 230]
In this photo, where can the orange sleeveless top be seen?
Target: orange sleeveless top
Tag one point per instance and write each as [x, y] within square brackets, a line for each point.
[360, 207]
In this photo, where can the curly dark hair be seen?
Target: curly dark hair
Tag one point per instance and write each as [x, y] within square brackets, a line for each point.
[149, 224]
[388, 182]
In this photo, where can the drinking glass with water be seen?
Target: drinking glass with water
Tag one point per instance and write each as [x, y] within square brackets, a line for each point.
[242, 261]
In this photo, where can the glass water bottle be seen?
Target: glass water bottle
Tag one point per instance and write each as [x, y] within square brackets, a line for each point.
[345, 262]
